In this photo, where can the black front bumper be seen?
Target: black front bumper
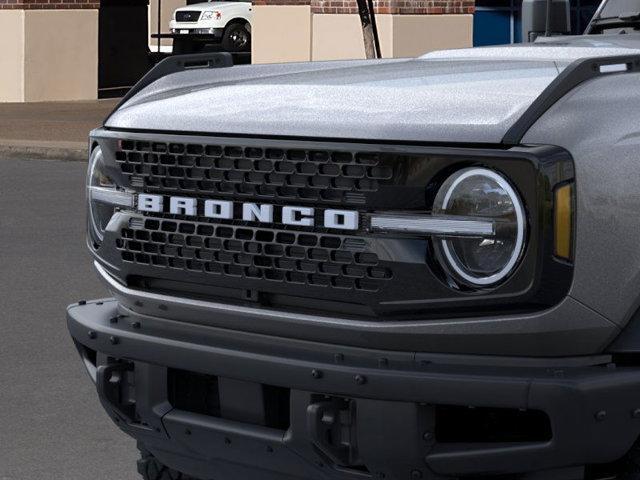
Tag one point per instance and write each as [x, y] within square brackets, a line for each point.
[350, 411]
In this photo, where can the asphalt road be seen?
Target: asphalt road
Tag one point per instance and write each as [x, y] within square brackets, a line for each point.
[51, 424]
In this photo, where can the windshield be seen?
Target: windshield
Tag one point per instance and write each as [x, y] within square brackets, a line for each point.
[616, 16]
[615, 8]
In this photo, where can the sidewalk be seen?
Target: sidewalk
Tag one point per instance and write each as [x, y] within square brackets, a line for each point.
[50, 130]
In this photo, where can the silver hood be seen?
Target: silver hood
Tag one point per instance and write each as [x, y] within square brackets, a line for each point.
[467, 95]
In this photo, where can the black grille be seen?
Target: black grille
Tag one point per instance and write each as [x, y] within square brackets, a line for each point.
[354, 273]
[225, 250]
[265, 173]
[188, 16]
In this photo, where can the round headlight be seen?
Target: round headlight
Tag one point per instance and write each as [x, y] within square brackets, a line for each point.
[100, 212]
[484, 260]
[103, 194]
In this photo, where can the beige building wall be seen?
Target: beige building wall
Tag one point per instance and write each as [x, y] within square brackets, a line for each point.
[60, 55]
[12, 56]
[281, 33]
[337, 37]
[53, 54]
[415, 35]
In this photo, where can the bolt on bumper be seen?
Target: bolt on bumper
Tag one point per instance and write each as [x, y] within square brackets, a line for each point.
[390, 414]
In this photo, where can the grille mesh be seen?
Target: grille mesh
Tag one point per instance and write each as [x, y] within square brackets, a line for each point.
[225, 250]
[266, 173]
[187, 16]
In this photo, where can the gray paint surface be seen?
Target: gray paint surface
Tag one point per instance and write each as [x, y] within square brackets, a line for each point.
[452, 101]
[550, 333]
[558, 49]
[599, 123]
[467, 95]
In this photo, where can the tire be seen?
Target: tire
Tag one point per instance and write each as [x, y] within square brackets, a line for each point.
[236, 38]
[627, 468]
[630, 466]
[151, 469]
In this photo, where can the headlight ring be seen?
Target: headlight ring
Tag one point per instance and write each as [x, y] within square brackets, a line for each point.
[478, 192]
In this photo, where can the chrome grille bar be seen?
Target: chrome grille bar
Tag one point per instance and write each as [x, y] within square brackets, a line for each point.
[438, 225]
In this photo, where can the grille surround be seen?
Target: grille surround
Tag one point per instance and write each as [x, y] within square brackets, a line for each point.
[418, 289]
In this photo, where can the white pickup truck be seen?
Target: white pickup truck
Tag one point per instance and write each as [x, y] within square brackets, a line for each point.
[229, 22]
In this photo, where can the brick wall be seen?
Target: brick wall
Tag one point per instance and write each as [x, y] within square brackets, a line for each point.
[396, 7]
[48, 4]
[282, 2]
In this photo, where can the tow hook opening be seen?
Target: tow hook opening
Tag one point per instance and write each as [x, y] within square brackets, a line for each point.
[331, 423]
[115, 383]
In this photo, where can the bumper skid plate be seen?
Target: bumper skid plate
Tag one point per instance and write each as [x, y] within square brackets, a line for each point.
[216, 403]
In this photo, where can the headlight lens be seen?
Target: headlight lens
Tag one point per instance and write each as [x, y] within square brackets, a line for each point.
[484, 260]
[210, 15]
[103, 195]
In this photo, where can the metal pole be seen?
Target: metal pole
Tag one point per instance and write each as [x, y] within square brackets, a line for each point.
[547, 29]
[374, 26]
[366, 18]
[159, 27]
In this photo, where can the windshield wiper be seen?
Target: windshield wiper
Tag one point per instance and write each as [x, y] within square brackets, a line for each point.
[627, 19]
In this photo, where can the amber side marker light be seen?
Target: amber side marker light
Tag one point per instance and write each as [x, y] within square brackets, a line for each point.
[563, 247]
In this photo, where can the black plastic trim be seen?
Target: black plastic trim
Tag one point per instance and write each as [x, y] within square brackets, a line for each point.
[628, 342]
[569, 329]
[115, 131]
[175, 64]
[394, 392]
[576, 73]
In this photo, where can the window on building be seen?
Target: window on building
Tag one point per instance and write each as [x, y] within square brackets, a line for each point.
[499, 22]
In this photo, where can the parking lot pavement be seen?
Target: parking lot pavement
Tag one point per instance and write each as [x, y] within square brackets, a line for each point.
[51, 424]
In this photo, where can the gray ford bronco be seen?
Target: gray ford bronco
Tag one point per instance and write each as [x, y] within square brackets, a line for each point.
[402, 269]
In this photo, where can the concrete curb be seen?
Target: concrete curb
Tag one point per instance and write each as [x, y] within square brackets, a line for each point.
[44, 150]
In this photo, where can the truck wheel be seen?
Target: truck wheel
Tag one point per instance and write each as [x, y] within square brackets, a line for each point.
[236, 38]
[630, 465]
[151, 469]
